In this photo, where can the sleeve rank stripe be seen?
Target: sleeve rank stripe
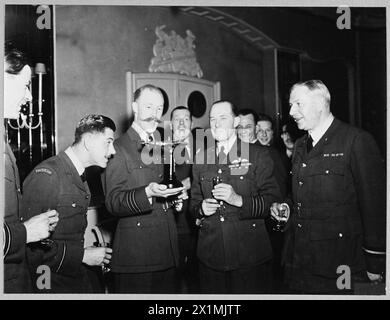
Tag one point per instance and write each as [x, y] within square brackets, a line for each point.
[255, 207]
[7, 240]
[63, 257]
[129, 202]
[262, 205]
[374, 252]
[135, 202]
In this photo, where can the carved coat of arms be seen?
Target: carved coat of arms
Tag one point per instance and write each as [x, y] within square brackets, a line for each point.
[172, 53]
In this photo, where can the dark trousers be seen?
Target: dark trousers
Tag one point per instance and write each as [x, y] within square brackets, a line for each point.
[147, 282]
[249, 280]
[277, 241]
[187, 273]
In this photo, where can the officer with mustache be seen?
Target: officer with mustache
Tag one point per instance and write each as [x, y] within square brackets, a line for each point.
[145, 250]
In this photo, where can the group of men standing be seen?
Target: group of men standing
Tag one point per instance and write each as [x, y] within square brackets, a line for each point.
[229, 189]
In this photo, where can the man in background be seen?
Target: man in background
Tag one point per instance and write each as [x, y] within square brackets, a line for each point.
[246, 132]
[181, 123]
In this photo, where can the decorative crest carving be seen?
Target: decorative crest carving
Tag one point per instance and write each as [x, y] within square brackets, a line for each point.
[174, 54]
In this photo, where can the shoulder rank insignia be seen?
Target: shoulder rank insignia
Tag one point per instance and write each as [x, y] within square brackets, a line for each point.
[43, 170]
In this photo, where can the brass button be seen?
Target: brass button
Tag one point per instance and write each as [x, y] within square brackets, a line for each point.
[222, 219]
[241, 177]
[74, 205]
[87, 197]
[138, 224]
[254, 225]
[299, 225]
[21, 218]
[140, 167]
[19, 190]
[327, 171]
[303, 165]
[300, 183]
[219, 170]
[340, 235]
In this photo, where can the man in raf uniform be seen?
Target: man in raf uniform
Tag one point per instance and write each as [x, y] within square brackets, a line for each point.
[145, 252]
[16, 231]
[59, 182]
[338, 199]
[181, 123]
[233, 245]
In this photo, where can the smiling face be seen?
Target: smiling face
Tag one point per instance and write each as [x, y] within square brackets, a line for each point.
[181, 124]
[306, 107]
[100, 147]
[16, 91]
[148, 109]
[222, 121]
[246, 128]
[264, 132]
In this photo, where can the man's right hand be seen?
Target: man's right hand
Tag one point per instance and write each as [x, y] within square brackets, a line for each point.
[40, 226]
[210, 206]
[161, 190]
[97, 256]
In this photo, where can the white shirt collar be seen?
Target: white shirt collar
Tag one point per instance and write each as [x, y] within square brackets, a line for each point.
[141, 132]
[75, 160]
[227, 144]
[317, 133]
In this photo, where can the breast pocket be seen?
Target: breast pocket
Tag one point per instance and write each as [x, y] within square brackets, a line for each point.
[72, 215]
[326, 180]
[206, 183]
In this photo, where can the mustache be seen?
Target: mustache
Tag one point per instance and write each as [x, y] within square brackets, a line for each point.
[150, 119]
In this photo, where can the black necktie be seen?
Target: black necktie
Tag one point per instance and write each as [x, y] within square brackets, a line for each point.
[309, 144]
[83, 177]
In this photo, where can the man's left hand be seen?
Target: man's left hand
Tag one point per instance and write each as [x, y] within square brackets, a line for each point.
[225, 192]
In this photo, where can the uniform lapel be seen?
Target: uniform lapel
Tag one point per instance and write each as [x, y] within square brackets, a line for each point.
[10, 154]
[71, 172]
[318, 149]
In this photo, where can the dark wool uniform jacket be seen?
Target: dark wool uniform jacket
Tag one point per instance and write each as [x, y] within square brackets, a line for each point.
[16, 274]
[146, 236]
[56, 184]
[339, 215]
[236, 237]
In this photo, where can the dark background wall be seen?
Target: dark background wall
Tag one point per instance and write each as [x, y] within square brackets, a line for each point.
[97, 45]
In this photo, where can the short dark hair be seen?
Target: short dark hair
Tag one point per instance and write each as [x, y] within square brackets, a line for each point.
[232, 106]
[265, 117]
[16, 60]
[151, 87]
[247, 111]
[181, 108]
[92, 123]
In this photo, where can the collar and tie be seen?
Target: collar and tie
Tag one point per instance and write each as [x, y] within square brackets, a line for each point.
[222, 157]
[83, 177]
[309, 143]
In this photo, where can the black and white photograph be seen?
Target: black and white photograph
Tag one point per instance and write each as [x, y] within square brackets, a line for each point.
[206, 151]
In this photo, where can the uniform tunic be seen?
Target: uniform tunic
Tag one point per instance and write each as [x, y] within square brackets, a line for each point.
[339, 209]
[16, 274]
[146, 235]
[236, 237]
[56, 184]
